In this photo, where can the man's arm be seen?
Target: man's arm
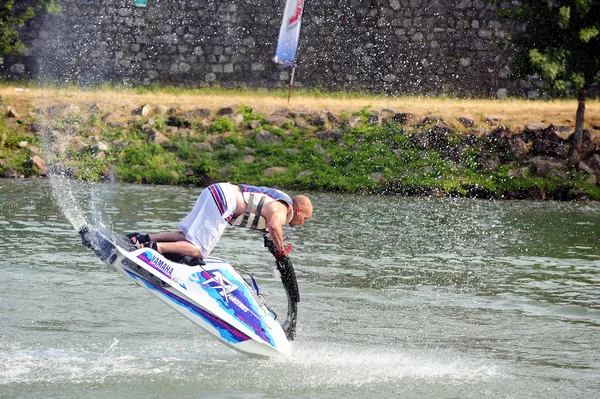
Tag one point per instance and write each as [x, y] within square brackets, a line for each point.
[276, 218]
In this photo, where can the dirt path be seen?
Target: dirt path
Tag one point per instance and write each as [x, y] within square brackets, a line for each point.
[511, 112]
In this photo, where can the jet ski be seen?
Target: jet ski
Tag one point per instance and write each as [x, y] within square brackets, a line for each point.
[209, 292]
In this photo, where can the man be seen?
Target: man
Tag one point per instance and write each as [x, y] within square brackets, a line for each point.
[223, 204]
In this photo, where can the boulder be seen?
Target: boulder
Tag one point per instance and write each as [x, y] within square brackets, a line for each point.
[591, 142]
[591, 179]
[248, 158]
[236, 118]
[197, 113]
[37, 162]
[594, 163]
[204, 146]
[377, 177]
[155, 136]
[13, 174]
[536, 127]
[275, 170]
[161, 110]
[405, 118]
[466, 122]
[10, 112]
[334, 135]
[545, 166]
[143, 110]
[518, 146]
[277, 120]
[265, 137]
[437, 119]
[227, 110]
[582, 166]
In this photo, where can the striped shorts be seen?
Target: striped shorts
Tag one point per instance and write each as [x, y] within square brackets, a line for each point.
[213, 211]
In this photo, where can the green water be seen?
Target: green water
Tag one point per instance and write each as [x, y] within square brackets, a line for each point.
[401, 298]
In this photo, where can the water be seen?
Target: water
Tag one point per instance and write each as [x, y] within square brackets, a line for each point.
[401, 297]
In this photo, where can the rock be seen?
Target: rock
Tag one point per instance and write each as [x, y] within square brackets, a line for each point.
[253, 124]
[518, 146]
[248, 158]
[591, 142]
[592, 179]
[78, 143]
[489, 161]
[204, 146]
[13, 174]
[63, 109]
[374, 118]
[12, 123]
[275, 170]
[545, 166]
[317, 118]
[197, 113]
[432, 119]
[377, 177]
[334, 118]
[236, 118]
[550, 148]
[143, 110]
[230, 148]
[594, 163]
[334, 135]
[520, 172]
[304, 173]
[155, 136]
[404, 118]
[101, 146]
[494, 120]
[37, 162]
[10, 112]
[302, 124]
[536, 127]
[351, 122]
[466, 122]
[582, 166]
[161, 110]
[318, 148]
[564, 132]
[265, 137]
[227, 110]
[277, 120]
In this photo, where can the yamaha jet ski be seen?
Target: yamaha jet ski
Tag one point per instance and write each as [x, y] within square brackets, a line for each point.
[209, 292]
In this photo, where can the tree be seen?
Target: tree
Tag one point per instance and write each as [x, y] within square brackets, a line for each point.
[561, 42]
[11, 19]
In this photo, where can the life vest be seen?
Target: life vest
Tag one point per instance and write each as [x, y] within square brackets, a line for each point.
[256, 198]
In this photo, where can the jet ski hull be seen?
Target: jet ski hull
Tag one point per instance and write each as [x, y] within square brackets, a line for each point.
[210, 293]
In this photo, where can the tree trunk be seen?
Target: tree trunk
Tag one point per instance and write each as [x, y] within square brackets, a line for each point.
[577, 139]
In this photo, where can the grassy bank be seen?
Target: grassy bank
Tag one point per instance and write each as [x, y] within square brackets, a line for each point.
[345, 143]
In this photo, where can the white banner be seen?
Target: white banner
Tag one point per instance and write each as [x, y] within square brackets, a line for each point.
[289, 33]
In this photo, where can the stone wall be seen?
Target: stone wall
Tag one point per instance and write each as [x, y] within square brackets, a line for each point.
[396, 47]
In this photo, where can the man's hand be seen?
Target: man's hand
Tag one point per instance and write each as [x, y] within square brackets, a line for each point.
[279, 255]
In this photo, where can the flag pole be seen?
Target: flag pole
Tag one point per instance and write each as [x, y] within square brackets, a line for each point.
[291, 83]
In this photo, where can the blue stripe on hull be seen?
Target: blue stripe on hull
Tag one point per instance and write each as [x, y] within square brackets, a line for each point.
[226, 331]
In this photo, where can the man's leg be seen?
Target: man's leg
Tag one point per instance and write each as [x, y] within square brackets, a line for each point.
[183, 247]
[167, 236]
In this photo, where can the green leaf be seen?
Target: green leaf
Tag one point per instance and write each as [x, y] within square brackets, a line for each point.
[587, 34]
[564, 17]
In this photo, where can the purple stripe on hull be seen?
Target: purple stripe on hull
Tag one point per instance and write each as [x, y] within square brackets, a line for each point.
[225, 330]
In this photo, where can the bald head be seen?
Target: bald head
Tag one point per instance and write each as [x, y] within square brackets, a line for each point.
[302, 209]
